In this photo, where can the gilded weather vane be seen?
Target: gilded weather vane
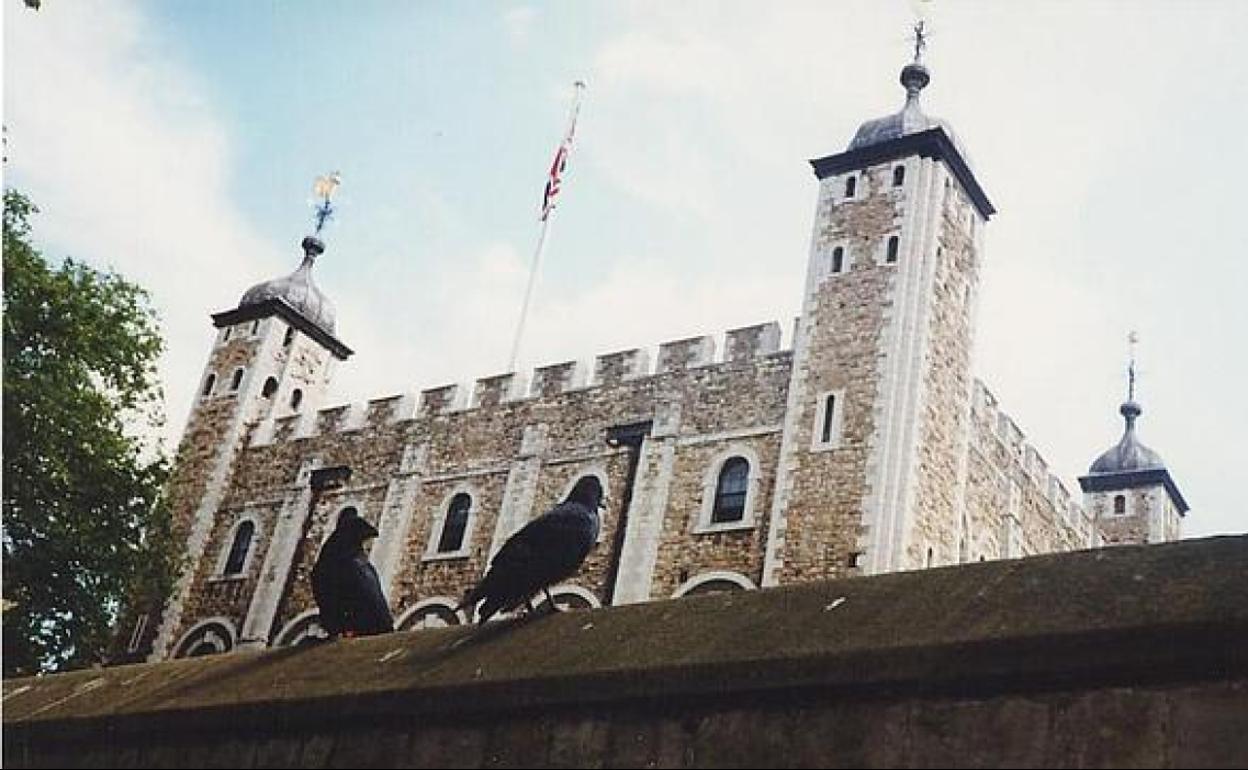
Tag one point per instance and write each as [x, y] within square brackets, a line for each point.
[324, 188]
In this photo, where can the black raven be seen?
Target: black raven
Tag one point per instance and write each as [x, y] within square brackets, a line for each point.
[545, 551]
[345, 585]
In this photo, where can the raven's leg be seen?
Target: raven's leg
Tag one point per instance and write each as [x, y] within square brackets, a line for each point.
[551, 601]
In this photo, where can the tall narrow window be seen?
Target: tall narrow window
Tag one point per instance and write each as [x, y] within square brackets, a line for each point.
[1120, 504]
[208, 385]
[270, 387]
[829, 419]
[289, 338]
[734, 480]
[236, 380]
[228, 331]
[452, 538]
[893, 243]
[899, 176]
[238, 551]
[296, 398]
[851, 186]
[255, 325]
[838, 259]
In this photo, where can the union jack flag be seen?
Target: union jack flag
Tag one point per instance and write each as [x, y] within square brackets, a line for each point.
[555, 178]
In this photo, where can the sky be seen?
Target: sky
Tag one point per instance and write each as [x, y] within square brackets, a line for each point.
[177, 141]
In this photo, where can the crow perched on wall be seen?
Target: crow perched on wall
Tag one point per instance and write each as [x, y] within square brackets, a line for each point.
[547, 550]
[347, 589]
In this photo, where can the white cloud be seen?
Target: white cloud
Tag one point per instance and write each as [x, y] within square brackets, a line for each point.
[519, 22]
[130, 169]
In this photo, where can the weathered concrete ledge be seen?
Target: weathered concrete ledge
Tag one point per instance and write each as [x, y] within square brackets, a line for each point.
[1131, 655]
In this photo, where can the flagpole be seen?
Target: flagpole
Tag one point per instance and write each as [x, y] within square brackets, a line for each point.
[528, 294]
[541, 238]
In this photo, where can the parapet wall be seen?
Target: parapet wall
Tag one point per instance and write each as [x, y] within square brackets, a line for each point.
[1131, 656]
[741, 346]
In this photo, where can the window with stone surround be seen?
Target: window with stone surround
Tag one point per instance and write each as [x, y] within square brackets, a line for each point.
[241, 546]
[270, 387]
[838, 259]
[296, 398]
[209, 383]
[899, 176]
[1120, 505]
[894, 245]
[729, 490]
[452, 537]
[452, 528]
[851, 186]
[826, 432]
[734, 480]
[236, 380]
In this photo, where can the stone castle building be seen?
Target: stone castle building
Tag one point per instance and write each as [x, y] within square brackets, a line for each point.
[867, 447]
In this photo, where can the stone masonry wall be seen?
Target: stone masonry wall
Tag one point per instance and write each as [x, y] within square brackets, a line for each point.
[934, 538]
[513, 451]
[839, 341]
[1126, 657]
[1014, 505]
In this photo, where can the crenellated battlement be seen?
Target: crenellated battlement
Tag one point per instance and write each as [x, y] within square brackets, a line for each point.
[1028, 465]
[741, 346]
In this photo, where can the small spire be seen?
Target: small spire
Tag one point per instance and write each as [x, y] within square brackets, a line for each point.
[1130, 409]
[1132, 339]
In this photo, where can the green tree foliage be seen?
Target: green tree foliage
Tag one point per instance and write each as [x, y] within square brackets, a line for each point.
[83, 530]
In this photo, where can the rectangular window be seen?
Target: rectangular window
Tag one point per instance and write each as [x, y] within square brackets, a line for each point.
[827, 428]
[894, 244]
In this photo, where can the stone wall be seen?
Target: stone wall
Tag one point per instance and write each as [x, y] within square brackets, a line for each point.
[840, 349]
[1130, 656]
[516, 453]
[1014, 505]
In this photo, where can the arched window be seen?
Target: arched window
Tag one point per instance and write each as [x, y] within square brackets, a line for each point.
[270, 387]
[289, 338]
[296, 398]
[238, 551]
[209, 383]
[1120, 504]
[893, 243]
[734, 481]
[236, 380]
[899, 176]
[452, 537]
[851, 186]
[838, 259]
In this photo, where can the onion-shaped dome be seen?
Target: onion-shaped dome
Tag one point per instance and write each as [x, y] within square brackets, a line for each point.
[297, 290]
[1128, 454]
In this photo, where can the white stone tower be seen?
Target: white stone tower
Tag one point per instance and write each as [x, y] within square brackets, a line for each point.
[273, 355]
[873, 460]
